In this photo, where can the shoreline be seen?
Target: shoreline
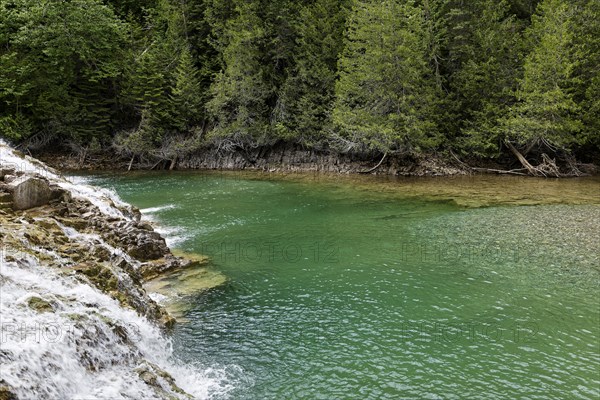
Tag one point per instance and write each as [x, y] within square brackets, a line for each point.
[293, 160]
[466, 191]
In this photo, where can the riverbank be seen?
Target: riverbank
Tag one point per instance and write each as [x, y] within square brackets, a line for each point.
[278, 159]
[74, 264]
[287, 158]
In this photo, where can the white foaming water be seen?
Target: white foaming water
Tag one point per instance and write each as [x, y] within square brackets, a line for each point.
[94, 239]
[173, 235]
[77, 351]
[9, 158]
[106, 200]
[153, 210]
[80, 343]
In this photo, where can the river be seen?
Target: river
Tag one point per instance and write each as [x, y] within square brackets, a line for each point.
[385, 288]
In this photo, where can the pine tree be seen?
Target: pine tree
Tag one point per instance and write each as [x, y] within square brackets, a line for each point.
[242, 93]
[307, 97]
[546, 112]
[386, 94]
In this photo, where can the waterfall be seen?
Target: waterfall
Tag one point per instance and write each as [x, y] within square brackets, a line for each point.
[63, 338]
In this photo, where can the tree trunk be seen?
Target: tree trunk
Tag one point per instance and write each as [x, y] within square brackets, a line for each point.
[530, 168]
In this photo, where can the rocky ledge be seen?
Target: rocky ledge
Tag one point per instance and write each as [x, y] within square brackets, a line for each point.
[85, 235]
[115, 253]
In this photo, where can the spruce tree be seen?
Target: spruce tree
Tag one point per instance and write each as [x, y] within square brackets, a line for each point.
[546, 112]
[386, 94]
[586, 74]
[241, 92]
[304, 110]
[484, 52]
[186, 100]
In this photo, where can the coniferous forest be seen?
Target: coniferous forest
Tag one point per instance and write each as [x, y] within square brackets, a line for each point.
[477, 79]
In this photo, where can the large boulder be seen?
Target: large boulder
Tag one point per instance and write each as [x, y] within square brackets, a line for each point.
[29, 192]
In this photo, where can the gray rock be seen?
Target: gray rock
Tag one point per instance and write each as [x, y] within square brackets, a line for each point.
[29, 192]
[58, 193]
[6, 171]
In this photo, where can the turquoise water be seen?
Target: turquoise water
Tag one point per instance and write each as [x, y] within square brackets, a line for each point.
[341, 290]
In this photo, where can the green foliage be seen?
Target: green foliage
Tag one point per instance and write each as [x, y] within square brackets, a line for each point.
[484, 50]
[242, 92]
[307, 97]
[386, 97]
[59, 61]
[186, 100]
[586, 74]
[154, 77]
[15, 126]
[162, 83]
[546, 110]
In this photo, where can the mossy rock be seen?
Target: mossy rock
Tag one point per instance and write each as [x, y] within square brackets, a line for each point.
[167, 320]
[37, 236]
[101, 253]
[149, 373]
[49, 224]
[182, 261]
[195, 258]
[40, 305]
[6, 393]
[77, 317]
[75, 223]
[101, 276]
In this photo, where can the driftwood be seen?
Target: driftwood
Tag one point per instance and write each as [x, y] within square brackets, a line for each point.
[546, 169]
[375, 167]
[530, 168]
[130, 163]
[156, 165]
[173, 164]
[501, 171]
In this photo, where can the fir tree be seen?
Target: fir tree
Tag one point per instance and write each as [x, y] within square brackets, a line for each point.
[304, 110]
[546, 111]
[386, 94]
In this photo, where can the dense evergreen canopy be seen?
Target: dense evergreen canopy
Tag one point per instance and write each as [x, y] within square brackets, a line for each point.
[164, 77]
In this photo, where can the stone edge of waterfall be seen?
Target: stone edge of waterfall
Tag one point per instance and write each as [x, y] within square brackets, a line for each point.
[83, 239]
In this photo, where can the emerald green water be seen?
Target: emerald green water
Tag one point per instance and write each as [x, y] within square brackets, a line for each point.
[365, 289]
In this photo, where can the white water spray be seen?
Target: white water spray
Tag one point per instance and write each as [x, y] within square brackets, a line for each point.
[61, 338]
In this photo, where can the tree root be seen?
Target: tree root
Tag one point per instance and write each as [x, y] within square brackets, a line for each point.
[547, 168]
